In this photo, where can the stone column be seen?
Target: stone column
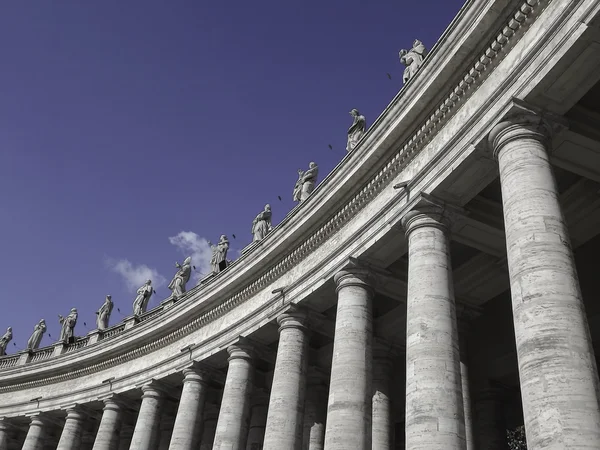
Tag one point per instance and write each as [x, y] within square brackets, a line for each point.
[208, 429]
[145, 433]
[285, 419]
[258, 419]
[35, 434]
[232, 425]
[350, 389]
[315, 412]
[108, 434]
[126, 436]
[383, 423]
[490, 423]
[70, 438]
[434, 404]
[557, 366]
[464, 330]
[187, 428]
[4, 433]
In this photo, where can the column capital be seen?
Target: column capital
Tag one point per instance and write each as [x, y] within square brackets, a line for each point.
[520, 126]
[75, 412]
[37, 418]
[429, 211]
[355, 276]
[153, 389]
[112, 402]
[294, 317]
[195, 374]
[240, 350]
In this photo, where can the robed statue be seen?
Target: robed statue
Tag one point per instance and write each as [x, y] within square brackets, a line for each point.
[36, 337]
[177, 284]
[103, 314]
[306, 182]
[67, 330]
[356, 130]
[261, 225]
[4, 340]
[218, 261]
[140, 304]
[412, 59]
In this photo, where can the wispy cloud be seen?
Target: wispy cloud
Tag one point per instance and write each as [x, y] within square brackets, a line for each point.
[135, 275]
[190, 244]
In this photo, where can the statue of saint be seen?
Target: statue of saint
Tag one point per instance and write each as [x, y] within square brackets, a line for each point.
[261, 224]
[4, 340]
[306, 182]
[143, 297]
[412, 59]
[67, 326]
[103, 314]
[356, 130]
[218, 261]
[37, 335]
[177, 284]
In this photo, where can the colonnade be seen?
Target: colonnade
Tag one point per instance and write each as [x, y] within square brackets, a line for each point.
[558, 374]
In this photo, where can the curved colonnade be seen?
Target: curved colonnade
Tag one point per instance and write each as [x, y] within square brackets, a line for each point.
[350, 326]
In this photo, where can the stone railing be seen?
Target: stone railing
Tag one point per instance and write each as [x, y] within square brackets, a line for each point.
[80, 343]
[114, 330]
[41, 354]
[9, 361]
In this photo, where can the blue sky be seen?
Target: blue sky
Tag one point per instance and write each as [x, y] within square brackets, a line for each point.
[131, 132]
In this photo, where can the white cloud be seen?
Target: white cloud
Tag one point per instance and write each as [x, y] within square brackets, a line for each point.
[135, 275]
[190, 244]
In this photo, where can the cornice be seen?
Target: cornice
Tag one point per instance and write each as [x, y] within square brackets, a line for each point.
[302, 218]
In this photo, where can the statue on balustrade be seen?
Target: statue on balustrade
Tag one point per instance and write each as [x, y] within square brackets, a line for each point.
[103, 314]
[67, 331]
[177, 284]
[140, 304]
[306, 182]
[4, 340]
[218, 261]
[37, 335]
[412, 59]
[261, 225]
[356, 130]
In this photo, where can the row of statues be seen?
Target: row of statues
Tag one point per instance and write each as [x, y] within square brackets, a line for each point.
[261, 226]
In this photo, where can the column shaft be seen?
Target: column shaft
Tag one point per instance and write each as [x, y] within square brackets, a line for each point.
[145, 433]
[466, 388]
[557, 366]
[35, 434]
[286, 405]
[208, 433]
[232, 425]
[349, 406]
[383, 426]
[434, 404]
[4, 433]
[188, 423]
[108, 434]
[490, 423]
[258, 422]
[315, 411]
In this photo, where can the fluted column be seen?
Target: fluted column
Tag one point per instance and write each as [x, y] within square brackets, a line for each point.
[188, 422]
[285, 419]
[36, 434]
[4, 433]
[145, 433]
[383, 424]
[434, 404]
[232, 425]
[108, 434]
[259, 406]
[557, 366]
[315, 412]
[349, 406]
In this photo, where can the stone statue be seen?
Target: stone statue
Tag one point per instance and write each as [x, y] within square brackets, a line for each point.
[356, 131]
[177, 284]
[261, 225]
[37, 335]
[412, 59]
[306, 182]
[103, 314]
[68, 326]
[218, 261]
[4, 340]
[143, 298]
